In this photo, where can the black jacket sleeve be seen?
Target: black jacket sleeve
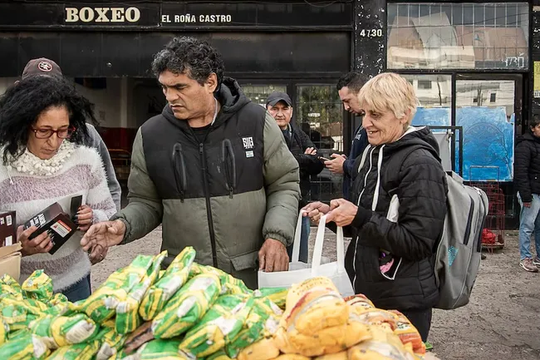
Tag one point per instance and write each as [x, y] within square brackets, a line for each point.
[422, 193]
[522, 163]
[309, 164]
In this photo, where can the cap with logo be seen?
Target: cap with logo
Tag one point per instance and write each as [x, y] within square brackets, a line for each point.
[278, 96]
[41, 66]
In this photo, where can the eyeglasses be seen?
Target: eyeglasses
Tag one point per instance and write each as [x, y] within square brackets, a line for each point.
[47, 133]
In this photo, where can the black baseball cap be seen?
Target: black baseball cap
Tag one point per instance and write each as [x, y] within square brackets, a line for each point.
[41, 66]
[276, 97]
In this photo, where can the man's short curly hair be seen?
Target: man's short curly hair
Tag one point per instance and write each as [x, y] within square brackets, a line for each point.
[194, 57]
[23, 102]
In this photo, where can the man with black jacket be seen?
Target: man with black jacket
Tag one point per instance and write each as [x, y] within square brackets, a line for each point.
[279, 105]
[348, 87]
[527, 180]
[212, 168]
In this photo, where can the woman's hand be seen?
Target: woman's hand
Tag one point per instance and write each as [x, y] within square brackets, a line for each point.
[40, 244]
[84, 217]
[342, 212]
[315, 210]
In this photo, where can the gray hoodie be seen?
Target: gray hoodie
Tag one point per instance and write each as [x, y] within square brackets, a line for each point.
[95, 141]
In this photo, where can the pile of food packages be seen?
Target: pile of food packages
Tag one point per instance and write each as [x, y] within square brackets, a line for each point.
[191, 311]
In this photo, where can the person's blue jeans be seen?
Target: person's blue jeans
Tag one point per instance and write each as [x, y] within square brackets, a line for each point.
[304, 240]
[529, 222]
[79, 291]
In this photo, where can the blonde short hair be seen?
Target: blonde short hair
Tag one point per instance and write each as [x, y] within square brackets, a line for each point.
[389, 92]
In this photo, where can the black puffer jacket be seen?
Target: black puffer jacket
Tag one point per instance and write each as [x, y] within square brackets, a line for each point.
[527, 166]
[418, 180]
[297, 142]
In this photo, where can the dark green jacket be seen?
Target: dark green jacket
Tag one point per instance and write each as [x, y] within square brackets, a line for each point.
[225, 195]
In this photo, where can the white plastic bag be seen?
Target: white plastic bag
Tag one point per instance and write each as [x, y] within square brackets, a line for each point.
[299, 271]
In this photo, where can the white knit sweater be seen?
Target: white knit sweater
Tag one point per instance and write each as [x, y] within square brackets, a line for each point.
[81, 173]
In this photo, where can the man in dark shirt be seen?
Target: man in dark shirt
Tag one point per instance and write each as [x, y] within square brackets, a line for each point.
[348, 87]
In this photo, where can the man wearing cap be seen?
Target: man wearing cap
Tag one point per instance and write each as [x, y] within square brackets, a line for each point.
[47, 67]
[279, 105]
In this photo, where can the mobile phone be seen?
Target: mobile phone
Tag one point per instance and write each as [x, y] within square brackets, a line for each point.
[323, 159]
[76, 203]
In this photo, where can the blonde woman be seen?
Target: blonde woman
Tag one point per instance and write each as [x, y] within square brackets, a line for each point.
[399, 205]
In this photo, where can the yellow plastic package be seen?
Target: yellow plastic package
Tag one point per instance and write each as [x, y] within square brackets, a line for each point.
[264, 349]
[187, 306]
[168, 284]
[408, 334]
[127, 310]
[382, 346]
[359, 303]
[220, 355]
[313, 305]
[219, 325]
[329, 340]
[291, 357]
[337, 356]
[101, 305]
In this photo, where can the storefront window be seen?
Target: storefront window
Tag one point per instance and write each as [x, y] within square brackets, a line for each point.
[486, 111]
[320, 114]
[458, 36]
[258, 93]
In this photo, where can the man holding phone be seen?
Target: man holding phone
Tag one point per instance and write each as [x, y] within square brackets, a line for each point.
[348, 87]
[279, 105]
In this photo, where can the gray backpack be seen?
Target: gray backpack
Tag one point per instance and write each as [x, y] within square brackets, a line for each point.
[459, 250]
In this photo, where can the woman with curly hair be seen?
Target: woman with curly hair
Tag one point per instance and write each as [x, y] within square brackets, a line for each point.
[42, 127]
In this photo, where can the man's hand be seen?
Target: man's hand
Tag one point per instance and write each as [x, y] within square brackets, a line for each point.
[97, 254]
[105, 234]
[310, 151]
[315, 210]
[342, 212]
[40, 244]
[273, 256]
[85, 217]
[527, 204]
[336, 164]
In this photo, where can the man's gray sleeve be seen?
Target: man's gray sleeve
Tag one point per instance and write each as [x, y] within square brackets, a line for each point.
[95, 141]
[145, 209]
[281, 178]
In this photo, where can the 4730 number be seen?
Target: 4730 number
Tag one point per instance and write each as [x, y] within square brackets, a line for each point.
[371, 33]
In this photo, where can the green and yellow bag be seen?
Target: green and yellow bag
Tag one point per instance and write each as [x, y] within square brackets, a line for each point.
[219, 326]
[187, 306]
[168, 284]
[101, 305]
[23, 348]
[158, 350]
[110, 342]
[83, 351]
[127, 311]
[262, 321]
[58, 331]
[229, 284]
[38, 286]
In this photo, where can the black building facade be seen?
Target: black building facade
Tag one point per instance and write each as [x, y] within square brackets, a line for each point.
[473, 63]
